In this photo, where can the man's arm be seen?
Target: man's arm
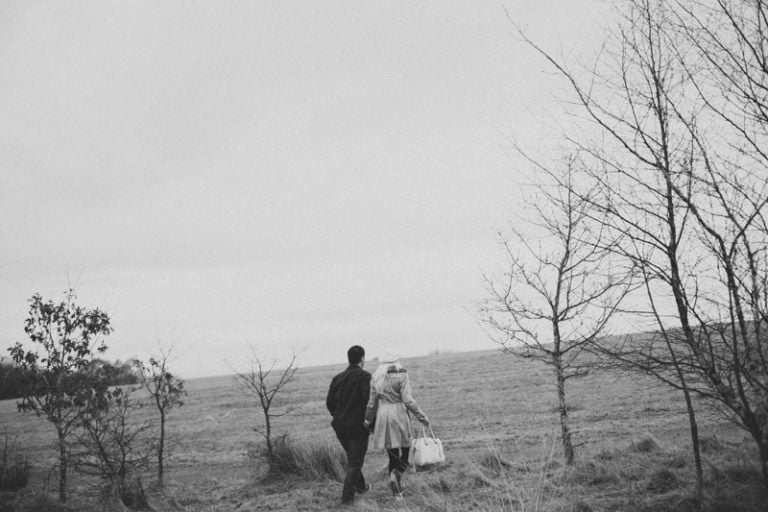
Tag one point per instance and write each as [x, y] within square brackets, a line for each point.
[371, 408]
[330, 400]
[365, 388]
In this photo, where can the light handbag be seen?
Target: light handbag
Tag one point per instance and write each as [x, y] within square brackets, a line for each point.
[426, 450]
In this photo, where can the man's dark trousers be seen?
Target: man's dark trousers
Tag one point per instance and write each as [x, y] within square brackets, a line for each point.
[355, 443]
[346, 401]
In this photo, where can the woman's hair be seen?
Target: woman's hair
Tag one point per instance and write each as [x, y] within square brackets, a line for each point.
[377, 379]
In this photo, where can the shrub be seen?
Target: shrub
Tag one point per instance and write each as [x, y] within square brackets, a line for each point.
[591, 473]
[494, 463]
[39, 502]
[7, 500]
[710, 444]
[579, 506]
[10, 380]
[662, 481]
[14, 476]
[134, 497]
[606, 455]
[647, 444]
[688, 504]
[742, 473]
[14, 467]
[676, 461]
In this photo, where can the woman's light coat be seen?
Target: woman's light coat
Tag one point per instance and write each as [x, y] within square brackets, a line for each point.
[392, 426]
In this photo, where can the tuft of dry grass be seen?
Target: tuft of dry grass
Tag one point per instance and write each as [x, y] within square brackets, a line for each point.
[134, 496]
[737, 487]
[662, 481]
[306, 458]
[647, 444]
[591, 473]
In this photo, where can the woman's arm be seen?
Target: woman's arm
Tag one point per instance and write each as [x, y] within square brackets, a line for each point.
[370, 409]
[410, 403]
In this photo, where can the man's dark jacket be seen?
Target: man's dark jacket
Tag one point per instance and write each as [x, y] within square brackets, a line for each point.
[347, 398]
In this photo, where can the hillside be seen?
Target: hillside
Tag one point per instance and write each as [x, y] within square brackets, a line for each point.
[494, 414]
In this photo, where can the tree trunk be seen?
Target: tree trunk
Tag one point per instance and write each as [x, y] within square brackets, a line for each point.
[678, 292]
[62, 467]
[161, 447]
[112, 501]
[762, 447]
[268, 435]
[563, 406]
[695, 442]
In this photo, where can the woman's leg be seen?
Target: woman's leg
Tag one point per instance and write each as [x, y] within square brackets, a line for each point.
[394, 465]
[398, 459]
[394, 458]
[398, 464]
[404, 458]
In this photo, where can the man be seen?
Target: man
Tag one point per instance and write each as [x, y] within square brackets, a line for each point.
[346, 401]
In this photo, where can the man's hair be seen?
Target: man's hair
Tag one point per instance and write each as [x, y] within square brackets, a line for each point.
[355, 354]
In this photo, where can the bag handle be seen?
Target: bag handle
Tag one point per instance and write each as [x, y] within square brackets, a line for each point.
[424, 431]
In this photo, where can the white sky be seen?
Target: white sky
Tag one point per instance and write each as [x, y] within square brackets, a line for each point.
[290, 175]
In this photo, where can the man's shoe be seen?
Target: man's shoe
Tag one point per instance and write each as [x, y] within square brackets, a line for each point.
[364, 489]
[347, 502]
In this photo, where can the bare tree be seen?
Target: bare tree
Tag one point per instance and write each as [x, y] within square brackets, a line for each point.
[166, 391]
[560, 290]
[730, 39]
[678, 103]
[111, 444]
[265, 383]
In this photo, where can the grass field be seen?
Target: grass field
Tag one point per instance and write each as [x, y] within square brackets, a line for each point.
[496, 417]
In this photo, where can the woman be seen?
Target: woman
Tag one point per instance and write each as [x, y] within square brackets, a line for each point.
[388, 407]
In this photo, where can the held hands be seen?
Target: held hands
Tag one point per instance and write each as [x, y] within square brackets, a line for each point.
[425, 421]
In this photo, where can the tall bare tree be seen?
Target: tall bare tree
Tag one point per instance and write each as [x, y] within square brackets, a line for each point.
[677, 101]
[559, 290]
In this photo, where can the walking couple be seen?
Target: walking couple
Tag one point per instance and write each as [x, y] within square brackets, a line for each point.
[378, 405]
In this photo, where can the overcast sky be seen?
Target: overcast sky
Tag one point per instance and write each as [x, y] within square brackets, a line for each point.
[287, 175]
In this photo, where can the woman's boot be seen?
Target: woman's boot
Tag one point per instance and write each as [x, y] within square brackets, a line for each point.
[394, 483]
